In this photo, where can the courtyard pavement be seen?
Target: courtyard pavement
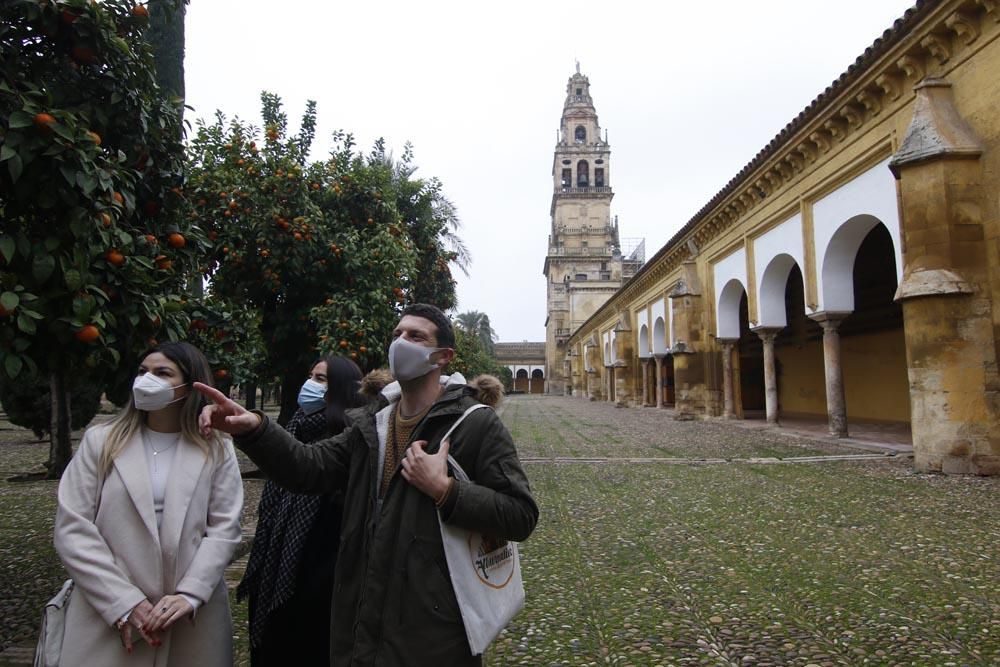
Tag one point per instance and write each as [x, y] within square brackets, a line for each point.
[664, 542]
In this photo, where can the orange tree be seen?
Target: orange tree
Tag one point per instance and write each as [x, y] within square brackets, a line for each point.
[316, 248]
[92, 251]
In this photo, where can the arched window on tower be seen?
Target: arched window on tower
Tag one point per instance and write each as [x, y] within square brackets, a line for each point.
[598, 177]
[567, 178]
[582, 174]
[580, 135]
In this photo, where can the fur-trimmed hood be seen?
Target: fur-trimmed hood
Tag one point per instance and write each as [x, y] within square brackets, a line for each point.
[486, 388]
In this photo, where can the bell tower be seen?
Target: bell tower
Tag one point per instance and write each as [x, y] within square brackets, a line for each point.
[583, 266]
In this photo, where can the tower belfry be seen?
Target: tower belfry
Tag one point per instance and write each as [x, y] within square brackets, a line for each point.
[584, 265]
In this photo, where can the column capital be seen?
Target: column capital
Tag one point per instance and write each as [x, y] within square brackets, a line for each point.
[767, 334]
[829, 319]
[727, 341]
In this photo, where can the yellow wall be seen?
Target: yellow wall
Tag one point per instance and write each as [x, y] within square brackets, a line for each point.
[802, 383]
[875, 377]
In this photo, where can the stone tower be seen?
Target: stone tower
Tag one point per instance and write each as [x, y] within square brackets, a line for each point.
[584, 265]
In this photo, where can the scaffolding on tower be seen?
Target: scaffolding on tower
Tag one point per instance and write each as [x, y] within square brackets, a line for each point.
[633, 256]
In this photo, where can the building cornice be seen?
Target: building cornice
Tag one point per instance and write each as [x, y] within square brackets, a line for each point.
[927, 40]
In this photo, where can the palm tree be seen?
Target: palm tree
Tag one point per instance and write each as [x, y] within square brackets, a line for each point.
[477, 324]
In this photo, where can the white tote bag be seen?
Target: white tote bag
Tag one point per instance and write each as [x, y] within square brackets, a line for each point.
[485, 572]
[50, 638]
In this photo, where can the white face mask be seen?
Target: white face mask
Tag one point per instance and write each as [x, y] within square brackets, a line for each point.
[153, 393]
[408, 360]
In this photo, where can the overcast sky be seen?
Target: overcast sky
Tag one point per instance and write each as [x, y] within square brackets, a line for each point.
[688, 92]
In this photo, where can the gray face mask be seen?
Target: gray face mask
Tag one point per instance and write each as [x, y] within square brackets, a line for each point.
[408, 361]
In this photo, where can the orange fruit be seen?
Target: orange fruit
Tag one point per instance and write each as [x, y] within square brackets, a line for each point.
[220, 374]
[105, 219]
[114, 257]
[88, 333]
[117, 196]
[176, 240]
[43, 122]
[343, 344]
[163, 262]
[94, 136]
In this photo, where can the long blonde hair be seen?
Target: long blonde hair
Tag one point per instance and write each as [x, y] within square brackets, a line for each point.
[195, 368]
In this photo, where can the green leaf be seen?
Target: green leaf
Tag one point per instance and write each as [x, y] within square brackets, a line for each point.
[9, 301]
[6, 152]
[73, 279]
[51, 243]
[43, 267]
[62, 131]
[15, 167]
[32, 314]
[20, 119]
[78, 227]
[12, 364]
[7, 248]
[25, 324]
[86, 181]
[68, 173]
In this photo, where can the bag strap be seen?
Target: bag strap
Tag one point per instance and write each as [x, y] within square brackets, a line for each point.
[457, 469]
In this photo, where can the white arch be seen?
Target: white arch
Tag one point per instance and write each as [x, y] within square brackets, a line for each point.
[870, 196]
[730, 278]
[728, 310]
[771, 295]
[644, 342]
[659, 337]
[838, 262]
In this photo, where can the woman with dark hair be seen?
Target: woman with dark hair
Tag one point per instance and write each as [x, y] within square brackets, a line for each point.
[289, 577]
[147, 521]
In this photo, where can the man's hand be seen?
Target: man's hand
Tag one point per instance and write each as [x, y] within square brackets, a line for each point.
[427, 472]
[223, 414]
[138, 619]
[168, 611]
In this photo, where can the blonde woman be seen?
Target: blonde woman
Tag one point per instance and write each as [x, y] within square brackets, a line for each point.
[147, 521]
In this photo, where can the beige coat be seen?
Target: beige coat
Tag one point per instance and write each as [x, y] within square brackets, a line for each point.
[119, 557]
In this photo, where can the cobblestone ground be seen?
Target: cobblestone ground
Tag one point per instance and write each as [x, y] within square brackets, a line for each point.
[744, 554]
[825, 563]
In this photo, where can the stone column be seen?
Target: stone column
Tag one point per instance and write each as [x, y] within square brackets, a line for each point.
[658, 358]
[836, 407]
[645, 381]
[767, 335]
[689, 349]
[728, 401]
[950, 289]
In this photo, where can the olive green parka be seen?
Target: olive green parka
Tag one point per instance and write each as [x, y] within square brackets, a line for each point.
[393, 602]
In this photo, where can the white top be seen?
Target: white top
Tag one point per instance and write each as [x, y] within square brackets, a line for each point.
[160, 451]
[161, 448]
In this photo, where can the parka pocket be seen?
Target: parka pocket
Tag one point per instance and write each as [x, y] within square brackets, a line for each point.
[427, 591]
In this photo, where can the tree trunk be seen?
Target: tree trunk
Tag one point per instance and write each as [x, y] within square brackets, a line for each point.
[289, 396]
[251, 395]
[60, 443]
[166, 36]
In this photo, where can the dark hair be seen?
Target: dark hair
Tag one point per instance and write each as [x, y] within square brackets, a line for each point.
[445, 335]
[343, 391]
